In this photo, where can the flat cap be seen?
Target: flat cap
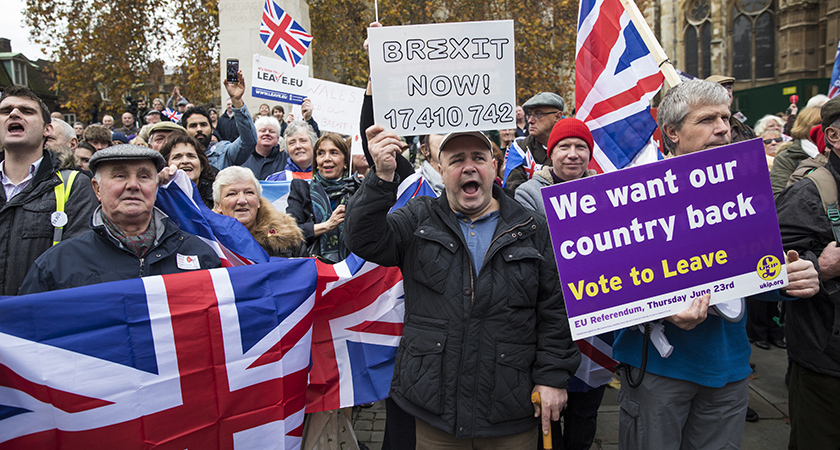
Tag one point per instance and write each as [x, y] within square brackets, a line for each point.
[830, 112]
[166, 125]
[453, 135]
[152, 112]
[126, 152]
[183, 102]
[545, 99]
[720, 79]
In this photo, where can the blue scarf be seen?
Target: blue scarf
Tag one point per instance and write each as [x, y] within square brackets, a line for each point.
[291, 166]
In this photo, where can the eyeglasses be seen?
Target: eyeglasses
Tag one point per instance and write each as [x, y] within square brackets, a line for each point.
[539, 115]
[778, 139]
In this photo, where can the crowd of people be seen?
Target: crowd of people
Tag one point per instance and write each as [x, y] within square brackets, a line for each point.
[485, 321]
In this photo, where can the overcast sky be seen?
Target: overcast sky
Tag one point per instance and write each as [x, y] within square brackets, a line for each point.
[12, 27]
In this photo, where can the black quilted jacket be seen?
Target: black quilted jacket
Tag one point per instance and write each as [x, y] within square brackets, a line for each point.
[473, 345]
[813, 324]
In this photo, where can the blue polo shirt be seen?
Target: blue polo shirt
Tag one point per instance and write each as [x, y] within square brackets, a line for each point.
[478, 235]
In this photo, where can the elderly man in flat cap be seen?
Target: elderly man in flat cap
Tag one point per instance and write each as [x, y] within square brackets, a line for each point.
[129, 237]
[542, 111]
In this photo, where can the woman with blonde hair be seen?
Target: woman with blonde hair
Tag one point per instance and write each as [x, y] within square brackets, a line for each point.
[238, 194]
[790, 154]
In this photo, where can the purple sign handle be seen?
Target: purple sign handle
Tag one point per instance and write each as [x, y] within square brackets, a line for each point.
[641, 243]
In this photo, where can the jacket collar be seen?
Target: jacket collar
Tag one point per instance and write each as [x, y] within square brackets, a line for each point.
[164, 227]
[49, 166]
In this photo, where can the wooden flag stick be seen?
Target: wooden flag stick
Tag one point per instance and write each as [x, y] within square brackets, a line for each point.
[656, 50]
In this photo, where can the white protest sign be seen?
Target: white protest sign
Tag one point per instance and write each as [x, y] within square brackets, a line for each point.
[440, 78]
[273, 79]
[337, 107]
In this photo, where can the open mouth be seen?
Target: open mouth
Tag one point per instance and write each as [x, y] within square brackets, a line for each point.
[470, 187]
[15, 128]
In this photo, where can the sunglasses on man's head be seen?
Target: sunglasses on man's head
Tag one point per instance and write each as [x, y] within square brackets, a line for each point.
[778, 139]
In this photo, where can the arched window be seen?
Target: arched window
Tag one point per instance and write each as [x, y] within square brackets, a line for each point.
[698, 39]
[753, 40]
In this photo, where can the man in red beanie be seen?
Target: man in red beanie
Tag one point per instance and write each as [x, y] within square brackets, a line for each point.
[569, 150]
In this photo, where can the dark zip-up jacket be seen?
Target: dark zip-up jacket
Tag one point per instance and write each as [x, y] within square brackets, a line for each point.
[25, 227]
[813, 324]
[97, 257]
[474, 344]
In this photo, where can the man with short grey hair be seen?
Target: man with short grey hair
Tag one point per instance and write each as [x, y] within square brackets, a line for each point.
[697, 397]
[129, 237]
[63, 136]
[542, 111]
[108, 122]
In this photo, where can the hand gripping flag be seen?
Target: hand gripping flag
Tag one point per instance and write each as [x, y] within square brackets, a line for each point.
[834, 86]
[212, 359]
[615, 78]
[282, 34]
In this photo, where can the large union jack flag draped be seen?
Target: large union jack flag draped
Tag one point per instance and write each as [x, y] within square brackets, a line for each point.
[210, 359]
[615, 78]
[221, 359]
[282, 34]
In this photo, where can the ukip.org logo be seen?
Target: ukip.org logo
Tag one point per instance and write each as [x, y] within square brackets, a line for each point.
[768, 267]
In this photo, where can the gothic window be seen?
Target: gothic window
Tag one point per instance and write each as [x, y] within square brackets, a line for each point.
[753, 40]
[698, 39]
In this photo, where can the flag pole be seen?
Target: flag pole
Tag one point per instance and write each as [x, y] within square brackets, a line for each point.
[376, 9]
[656, 50]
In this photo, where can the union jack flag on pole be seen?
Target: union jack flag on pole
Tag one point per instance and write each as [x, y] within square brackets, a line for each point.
[616, 76]
[282, 34]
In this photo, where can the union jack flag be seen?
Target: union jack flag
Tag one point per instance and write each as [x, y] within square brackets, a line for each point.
[209, 359]
[172, 115]
[411, 187]
[282, 34]
[834, 86]
[230, 239]
[615, 78]
[358, 320]
[516, 156]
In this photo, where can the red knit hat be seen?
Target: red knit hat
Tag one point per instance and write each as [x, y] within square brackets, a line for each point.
[567, 128]
[817, 137]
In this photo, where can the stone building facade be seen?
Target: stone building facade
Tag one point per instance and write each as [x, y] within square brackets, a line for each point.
[759, 42]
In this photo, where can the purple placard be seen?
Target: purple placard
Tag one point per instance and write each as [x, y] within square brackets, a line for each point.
[619, 237]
